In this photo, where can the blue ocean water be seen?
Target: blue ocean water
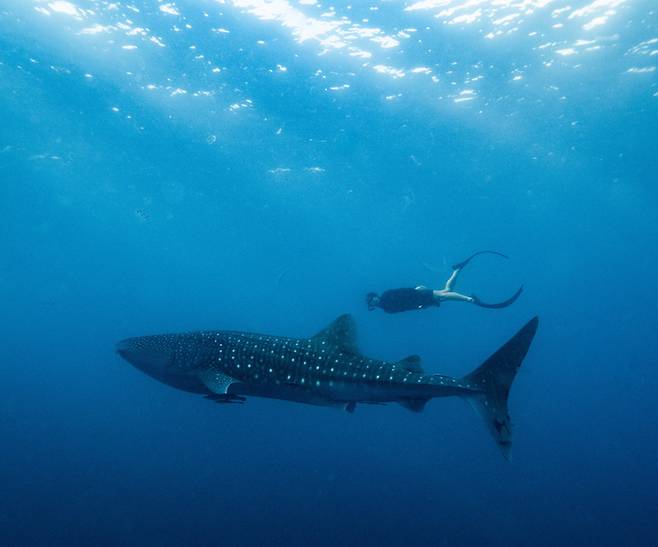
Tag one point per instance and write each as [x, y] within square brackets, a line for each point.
[262, 165]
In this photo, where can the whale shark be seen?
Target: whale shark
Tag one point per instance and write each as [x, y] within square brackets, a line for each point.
[326, 369]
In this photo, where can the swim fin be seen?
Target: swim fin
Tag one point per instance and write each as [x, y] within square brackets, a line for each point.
[498, 305]
[463, 263]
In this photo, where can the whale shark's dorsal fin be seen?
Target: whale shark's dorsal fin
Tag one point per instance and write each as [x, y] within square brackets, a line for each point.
[412, 364]
[341, 334]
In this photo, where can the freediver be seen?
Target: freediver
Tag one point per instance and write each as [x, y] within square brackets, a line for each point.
[406, 299]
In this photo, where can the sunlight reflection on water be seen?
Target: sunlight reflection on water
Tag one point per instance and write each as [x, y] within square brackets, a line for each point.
[550, 29]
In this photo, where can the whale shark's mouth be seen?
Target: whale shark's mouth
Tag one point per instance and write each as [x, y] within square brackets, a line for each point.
[146, 355]
[155, 359]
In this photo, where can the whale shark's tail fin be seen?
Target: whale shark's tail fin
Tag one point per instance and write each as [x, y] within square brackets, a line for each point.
[494, 379]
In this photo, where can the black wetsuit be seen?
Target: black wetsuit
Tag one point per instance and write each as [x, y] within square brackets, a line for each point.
[397, 300]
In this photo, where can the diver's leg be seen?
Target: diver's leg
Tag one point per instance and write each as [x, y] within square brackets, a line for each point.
[452, 280]
[444, 295]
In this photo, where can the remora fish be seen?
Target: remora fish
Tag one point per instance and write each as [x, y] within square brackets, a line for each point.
[326, 369]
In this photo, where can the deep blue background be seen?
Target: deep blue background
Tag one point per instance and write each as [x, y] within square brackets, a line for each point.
[170, 215]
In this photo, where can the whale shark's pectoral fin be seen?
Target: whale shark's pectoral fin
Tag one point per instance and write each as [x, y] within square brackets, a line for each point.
[217, 382]
[412, 364]
[340, 334]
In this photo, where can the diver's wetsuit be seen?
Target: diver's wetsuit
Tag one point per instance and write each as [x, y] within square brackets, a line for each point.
[397, 300]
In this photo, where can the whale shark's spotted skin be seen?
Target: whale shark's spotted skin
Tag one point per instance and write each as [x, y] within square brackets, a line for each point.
[313, 365]
[326, 369]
